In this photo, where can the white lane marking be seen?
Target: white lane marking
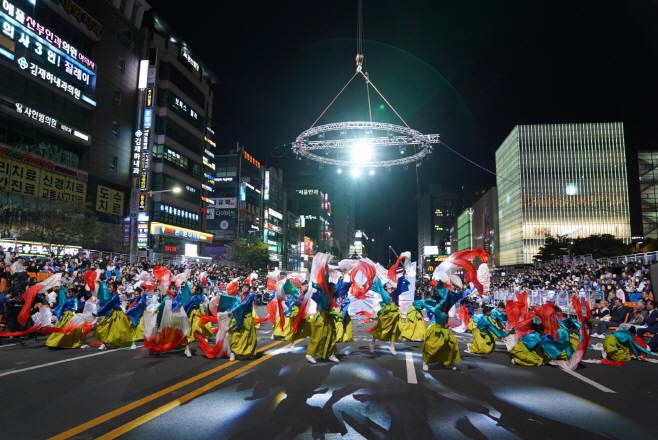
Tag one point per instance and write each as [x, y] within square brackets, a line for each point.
[7, 373]
[7, 345]
[589, 381]
[411, 371]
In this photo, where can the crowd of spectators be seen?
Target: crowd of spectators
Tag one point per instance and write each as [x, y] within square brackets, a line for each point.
[19, 274]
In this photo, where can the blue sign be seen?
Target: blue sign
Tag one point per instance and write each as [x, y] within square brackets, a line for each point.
[243, 191]
[148, 115]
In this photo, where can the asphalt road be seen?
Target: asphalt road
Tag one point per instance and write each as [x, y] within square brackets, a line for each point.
[119, 393]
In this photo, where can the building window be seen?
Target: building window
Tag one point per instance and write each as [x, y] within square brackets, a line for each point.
[121, 65]
[117, 96]
[116, 129]
[114, 162]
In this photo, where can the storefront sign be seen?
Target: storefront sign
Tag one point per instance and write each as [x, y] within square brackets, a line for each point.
[307, 192]
[226, 203]
[148, 97]
[148, 116]
[29, 248]
[29, 159]
[34, 182]
[205, 138]
[189, 59]
[275, 214]
[109, 200]
[142, 202]
[175, 231]
[142, 235]
[266, 195]
[47, 120]
[251, 159]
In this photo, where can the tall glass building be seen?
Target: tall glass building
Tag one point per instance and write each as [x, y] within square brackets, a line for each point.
[648, 170]
[560, 180]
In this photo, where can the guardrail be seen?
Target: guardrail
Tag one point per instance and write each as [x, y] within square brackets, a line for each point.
[562, 298]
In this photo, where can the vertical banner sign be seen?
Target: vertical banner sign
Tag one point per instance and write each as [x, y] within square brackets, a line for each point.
[243, 191]
[148, 115]
[148, 98]
[142, 202]
[142, 235]
[266, 196]
[150, 81]
[134, 202]
[137, 151]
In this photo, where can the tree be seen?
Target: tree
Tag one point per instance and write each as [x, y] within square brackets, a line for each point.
[600, 246]
[254, 255]
[62, 224]
[553, 248]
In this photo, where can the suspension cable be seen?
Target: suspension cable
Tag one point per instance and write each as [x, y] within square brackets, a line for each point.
[341, 91]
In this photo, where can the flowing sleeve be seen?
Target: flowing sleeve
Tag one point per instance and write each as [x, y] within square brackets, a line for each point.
[115, 301]
[135, 312]
[186, 293]
[485, 325]
[378, 287]
[103, 294]
[343, 287]
[241, 309]
[61, 297]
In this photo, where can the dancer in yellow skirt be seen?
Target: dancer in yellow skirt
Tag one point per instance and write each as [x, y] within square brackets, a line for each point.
[135, 314]
[68, 305]
[533, 351]
[485, 334]
[304, 328]
[242, 329]
[115, 328]
[193, 310]
[440, 344]
[323, 323]
[343, 321]
[389, 319]
[414, 326]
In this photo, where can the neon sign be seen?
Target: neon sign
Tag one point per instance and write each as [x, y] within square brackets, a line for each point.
[42, 118]
[36, 28]
[189, 59]
[251, 159]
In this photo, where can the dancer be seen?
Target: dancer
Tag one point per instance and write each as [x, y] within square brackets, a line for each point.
[485, 334]
[242, 329]
[68, 304]
[193, 310]
[323, 323]
[389, 320]
[344, 331]
[414, 326]
[293, 330]
[115, 328]
[534, 351]
[172, 323]
[135, 314]
[499, 316]
[620, 346]
[440, 344]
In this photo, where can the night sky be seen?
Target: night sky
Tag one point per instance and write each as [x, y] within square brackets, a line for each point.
[468, 70]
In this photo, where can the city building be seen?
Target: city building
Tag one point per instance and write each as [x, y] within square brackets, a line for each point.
[68, 105]
[274, 209]
[560, 180]
[237, 187]
[292, 241]
[437, 211]
[648, 171]
[476, 227]
[361, 245]
[174, 114]
[343, 208]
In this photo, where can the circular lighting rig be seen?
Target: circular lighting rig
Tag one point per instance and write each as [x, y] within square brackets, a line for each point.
[365, 146]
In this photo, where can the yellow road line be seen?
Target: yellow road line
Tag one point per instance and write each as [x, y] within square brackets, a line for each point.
[117, 412]
[173, 404]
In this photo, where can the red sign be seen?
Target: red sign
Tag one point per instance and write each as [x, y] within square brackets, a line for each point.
[170, 248]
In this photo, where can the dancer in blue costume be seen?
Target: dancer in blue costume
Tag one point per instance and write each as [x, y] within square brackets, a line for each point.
[178, 299]
[242, 329]
[534, 349]
[344, 323]
[135, 314]
[68, 305]
[193, 308]
[389, 320]
[485, 334]
[115, 328]
[323, 324]
[440, 344]
[499, 316]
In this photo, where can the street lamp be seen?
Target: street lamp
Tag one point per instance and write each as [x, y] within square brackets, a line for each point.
[174, 190]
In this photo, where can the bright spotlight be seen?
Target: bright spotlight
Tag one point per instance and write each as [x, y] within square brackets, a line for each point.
[356, 172]
[372, 172]
[362, 151]
[403, 149]
[339, 170]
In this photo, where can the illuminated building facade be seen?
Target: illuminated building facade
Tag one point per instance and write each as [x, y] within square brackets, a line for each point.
[560, 180]
[648, 171]
[437, 210]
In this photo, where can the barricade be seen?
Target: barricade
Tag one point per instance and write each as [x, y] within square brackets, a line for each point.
[561, 298]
